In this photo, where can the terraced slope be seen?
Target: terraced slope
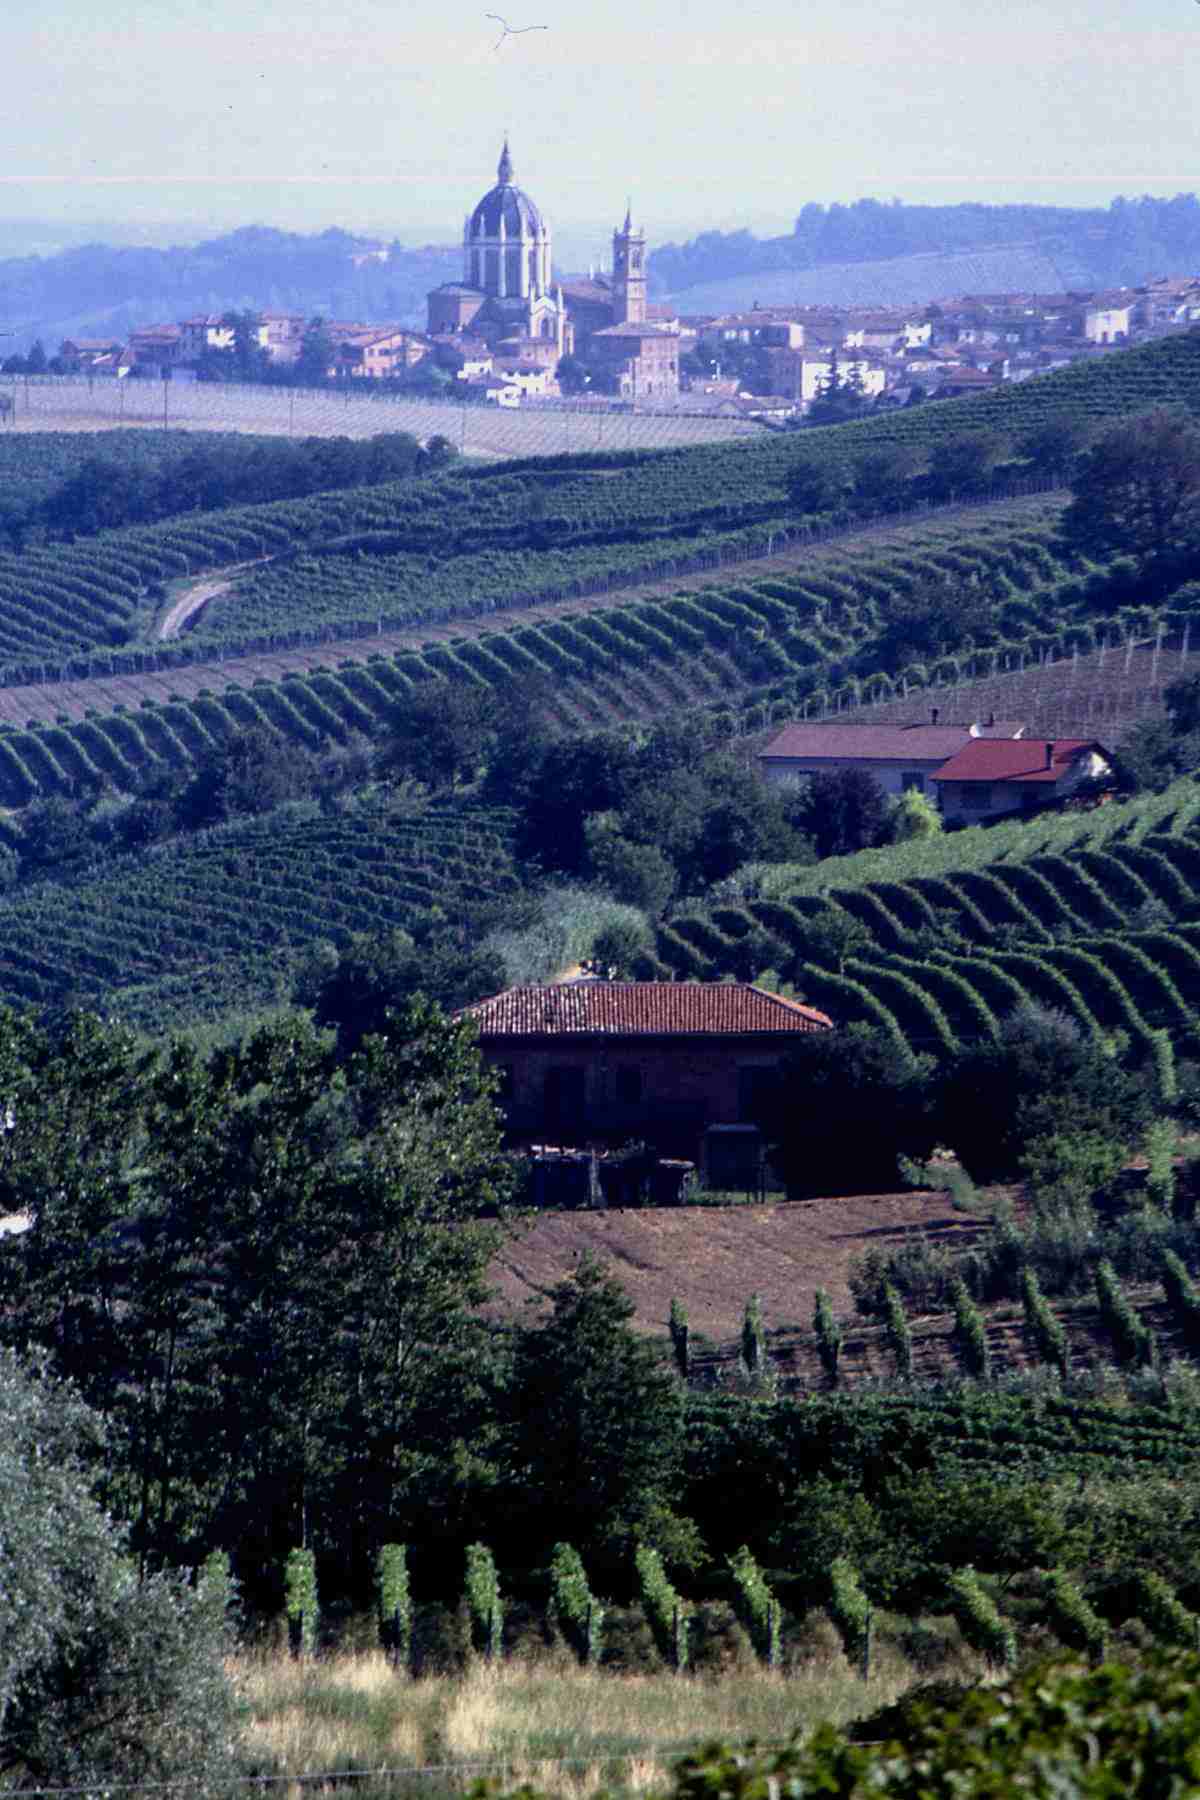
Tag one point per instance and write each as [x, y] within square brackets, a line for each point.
[758, 646]
[1095, 915]
[197, 927]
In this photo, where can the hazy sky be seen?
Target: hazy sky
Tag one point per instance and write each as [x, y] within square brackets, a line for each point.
[387, 114]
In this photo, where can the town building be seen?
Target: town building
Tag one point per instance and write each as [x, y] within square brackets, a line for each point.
[679, 1066]
[510, 298]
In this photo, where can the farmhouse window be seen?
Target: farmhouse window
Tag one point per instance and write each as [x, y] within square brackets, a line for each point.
[913, 780]
[977, 796]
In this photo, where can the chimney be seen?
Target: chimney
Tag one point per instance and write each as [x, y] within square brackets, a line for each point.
[1050, 753]
[991, 720]
[933, 716]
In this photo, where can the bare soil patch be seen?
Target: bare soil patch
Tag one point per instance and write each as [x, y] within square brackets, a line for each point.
[714, 1258]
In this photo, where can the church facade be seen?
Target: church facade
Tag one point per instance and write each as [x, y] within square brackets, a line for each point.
[509, 300]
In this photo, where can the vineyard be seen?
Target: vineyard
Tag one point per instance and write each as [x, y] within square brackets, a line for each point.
[199, 927]
[738, 655]
[1095, 915]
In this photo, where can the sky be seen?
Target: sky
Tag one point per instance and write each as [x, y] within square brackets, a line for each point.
[387, 115]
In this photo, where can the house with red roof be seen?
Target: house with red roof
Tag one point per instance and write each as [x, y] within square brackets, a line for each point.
[677, 1065]
[990, 777]
[898, 756]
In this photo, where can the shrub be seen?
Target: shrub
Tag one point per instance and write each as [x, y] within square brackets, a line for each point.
[756, 1606]
[394, 1602]
[1166, 1615]
[300, 1600]
[681, 1338]
[850, 1611]
[754, 1337]
[1070, 1617]
[1042, 1325]
[484, 1604]
[970, 1334]
[1183, 1296]
[1132, 1341]
[979, 1619]
[829, 1336]
[579, 1614]
[899, 1336]
[666, 1611]
[1161, 1143]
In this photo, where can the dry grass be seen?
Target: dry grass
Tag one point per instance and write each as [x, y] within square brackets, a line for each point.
[568, 1731]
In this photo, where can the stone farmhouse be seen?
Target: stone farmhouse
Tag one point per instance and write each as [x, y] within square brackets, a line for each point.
[677, 1065]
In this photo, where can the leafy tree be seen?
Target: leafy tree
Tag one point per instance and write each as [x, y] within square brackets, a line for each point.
[571, 375]
[254, 770]
[1041, 1080]
[933, 619]
[816, 484]
[915, 816]
[638, 874]
[884, 478]
[376, 975]
[965, 464]
[831, 1082]
[597, 1421]
[1138, 489]
[440, 734]
[843, 811]
[316, 354]
[1054, 446]
[105, 1677]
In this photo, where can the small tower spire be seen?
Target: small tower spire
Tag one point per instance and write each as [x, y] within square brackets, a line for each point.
[628, 225]
[504, 169]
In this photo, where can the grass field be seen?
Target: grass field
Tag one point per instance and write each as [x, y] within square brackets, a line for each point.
[542, 1719]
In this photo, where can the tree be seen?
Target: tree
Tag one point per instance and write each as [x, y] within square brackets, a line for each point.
[965, 464]
[441, 733]
[1053, 447]
[1041, 1090]
[915, 816]
[375, 976]
[254, 770]
[105, 1677]
[830, 1087]
[1138, 489]
[571, 375]
[597, 1420]
[843, 811]
[816, 484]
[316, 355]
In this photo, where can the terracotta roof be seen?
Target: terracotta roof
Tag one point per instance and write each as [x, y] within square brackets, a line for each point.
[871, 743]
[1020, 759]
[641, 1008]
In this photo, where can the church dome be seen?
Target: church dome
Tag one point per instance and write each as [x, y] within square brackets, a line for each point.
[508, 203]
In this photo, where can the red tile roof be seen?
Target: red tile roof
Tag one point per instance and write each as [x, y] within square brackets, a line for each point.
[640, 1009]
[875, 743]
[1020, 759]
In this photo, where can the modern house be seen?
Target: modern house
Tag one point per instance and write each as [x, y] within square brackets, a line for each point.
[676, 1065]
[898, 756]
[991, 777]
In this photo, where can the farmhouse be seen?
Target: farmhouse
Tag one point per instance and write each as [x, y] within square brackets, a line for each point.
[989, 777]
[898, 756]
[678, 1065]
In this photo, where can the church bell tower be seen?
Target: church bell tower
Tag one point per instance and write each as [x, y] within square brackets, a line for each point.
[629, 273]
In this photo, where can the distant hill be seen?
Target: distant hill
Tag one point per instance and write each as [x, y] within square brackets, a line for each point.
[904, 246]
[100, 289]
[898, 281]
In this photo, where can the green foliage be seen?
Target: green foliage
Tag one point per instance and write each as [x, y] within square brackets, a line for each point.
[681, 1337]
[970, 1334]
[829, 1336]
[1159, 1608]
[979, 1619]
[1161, 1146]
[576, 1609]
[1053, 1731]
[300, 1599]
[1183, 1296]
[754, 1337]
[105, 1678]
[484, 1604]
[1069, 1616]
[899, 1335]
[1043, 1325]
[218, 1591]
[850, 1611]
[394, 1601]
[666, 1612]
[1132, 1339]
[756, 1606]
